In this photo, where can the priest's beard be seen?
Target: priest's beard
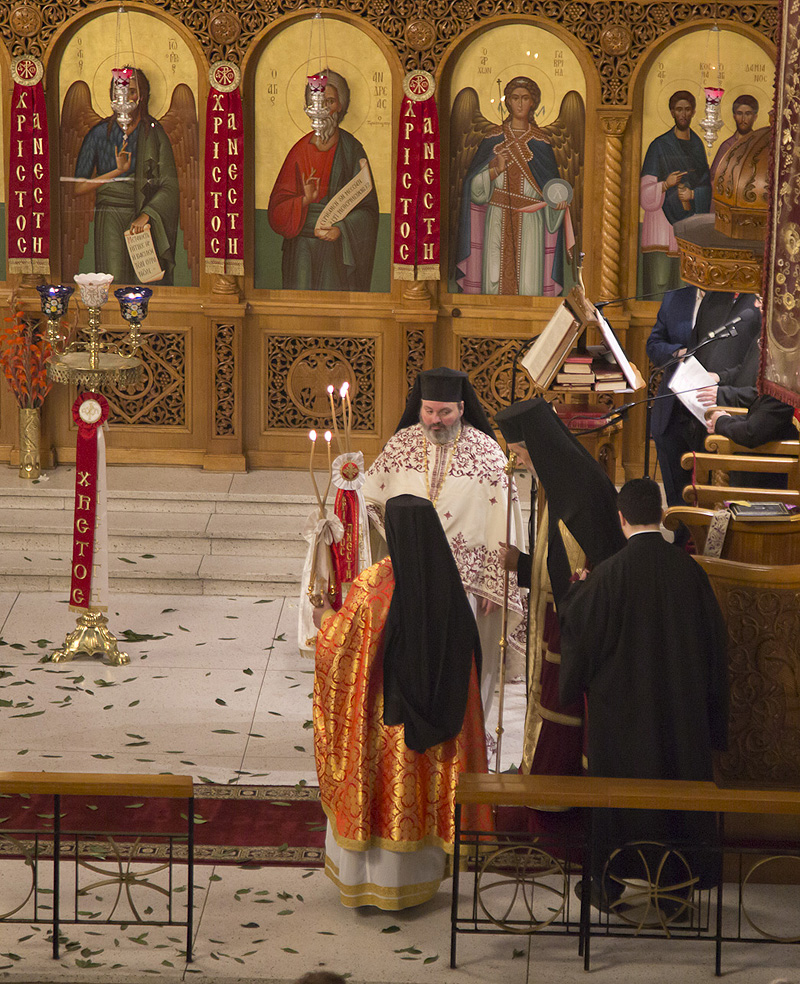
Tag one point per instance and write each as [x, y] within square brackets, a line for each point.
[442, 435]
[328, 127]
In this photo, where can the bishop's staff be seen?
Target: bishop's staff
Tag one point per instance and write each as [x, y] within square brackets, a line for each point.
[509, 470]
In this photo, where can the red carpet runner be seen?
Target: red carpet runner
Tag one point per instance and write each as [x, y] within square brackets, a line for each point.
[263, 825]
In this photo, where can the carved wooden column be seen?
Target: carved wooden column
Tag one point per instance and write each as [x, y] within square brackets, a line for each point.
[416, 317]
[224, 450]
[613, 126]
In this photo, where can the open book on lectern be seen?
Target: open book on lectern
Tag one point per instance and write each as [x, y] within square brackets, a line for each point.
[544, 359]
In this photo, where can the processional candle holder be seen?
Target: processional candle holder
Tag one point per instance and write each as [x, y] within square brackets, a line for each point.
[92, 363]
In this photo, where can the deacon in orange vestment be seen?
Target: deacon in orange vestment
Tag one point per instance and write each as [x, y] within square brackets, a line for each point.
[389, 806]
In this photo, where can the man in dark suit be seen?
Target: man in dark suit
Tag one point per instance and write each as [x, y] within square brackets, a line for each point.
[684, 323]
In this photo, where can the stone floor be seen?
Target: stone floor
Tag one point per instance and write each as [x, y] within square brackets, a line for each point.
[216, 689]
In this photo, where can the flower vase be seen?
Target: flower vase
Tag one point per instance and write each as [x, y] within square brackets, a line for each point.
[30, 433]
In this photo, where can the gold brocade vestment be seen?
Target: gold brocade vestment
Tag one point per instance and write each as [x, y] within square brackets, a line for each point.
[375, 791]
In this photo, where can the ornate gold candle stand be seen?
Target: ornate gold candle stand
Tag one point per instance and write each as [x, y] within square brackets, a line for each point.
[92, 363]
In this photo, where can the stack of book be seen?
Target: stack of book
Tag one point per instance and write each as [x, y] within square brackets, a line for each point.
[608, 376]
[577, 371]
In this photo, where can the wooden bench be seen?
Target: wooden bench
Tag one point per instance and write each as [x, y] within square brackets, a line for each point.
[583, 791]
[56, 785]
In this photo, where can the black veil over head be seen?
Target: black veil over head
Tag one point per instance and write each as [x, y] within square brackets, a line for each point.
[431, 635]
[579, 493]
[445, 385]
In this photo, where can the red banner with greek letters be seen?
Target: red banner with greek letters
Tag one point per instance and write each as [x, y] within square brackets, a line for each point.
[417, 197]
[224, 177]
[89, 411]
[29, 173]
[346, 552]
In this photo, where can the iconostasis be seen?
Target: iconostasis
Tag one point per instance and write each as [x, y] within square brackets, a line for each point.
[433, 211]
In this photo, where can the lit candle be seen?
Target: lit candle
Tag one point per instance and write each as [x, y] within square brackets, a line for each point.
[328, 436]
[312, 436]
[346, 413]
[333, 414]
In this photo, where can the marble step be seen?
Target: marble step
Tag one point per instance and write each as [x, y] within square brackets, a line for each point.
[135, 533]
[165, 573]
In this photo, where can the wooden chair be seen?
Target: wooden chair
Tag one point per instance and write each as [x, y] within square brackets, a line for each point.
[747, 541]
[713, 466]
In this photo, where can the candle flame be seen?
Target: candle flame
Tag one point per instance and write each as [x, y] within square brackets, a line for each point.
[328, 436]
[312, 435]
[330, 389]
[344, 389]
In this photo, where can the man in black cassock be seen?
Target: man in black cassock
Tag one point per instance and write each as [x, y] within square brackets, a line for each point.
[644, 638]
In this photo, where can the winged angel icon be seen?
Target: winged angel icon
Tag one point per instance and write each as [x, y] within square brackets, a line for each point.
[517, 193]
[132, 173]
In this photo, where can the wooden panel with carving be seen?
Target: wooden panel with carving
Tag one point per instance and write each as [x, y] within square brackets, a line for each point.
[762, 610]
[224, 380]
[300, 368]
[160, 399]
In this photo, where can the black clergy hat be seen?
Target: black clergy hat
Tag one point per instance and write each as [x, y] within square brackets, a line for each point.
[510, 420]
[445, 385]
[442, 385]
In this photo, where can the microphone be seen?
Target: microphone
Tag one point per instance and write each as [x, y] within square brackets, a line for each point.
[728, 330]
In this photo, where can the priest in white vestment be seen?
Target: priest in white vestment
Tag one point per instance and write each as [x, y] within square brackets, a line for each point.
[445, 450]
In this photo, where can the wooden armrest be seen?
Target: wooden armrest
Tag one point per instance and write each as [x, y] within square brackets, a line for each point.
[724, 445]
[740, 462]
[733, 411]
[690, 515]
[710, 495]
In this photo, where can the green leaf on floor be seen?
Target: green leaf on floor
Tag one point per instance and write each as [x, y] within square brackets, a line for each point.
[247, 672]
[264, 601]
[125, 560]
[166, 611]
[220, 701]
[147, 556]
[183, 629]
[23, 751]
[30, 714]
[100, 755]
[130, 636]
[250, 925]
[288, 949]
[133, 703]
[224, 731]
[133, 806]
[517, 953]
[430, 960]
[391, 929]
[299, 748]
[281, 637]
